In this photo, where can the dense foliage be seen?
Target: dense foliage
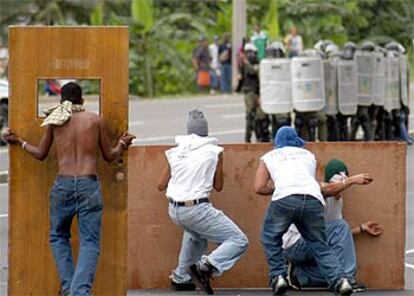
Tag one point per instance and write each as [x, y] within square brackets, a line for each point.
[163, 33]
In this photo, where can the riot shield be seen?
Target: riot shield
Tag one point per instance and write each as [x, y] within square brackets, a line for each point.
[365, 68]
[330, 68]
[378, 91]
[404, 86]
[275, 86]
[308, 89]
[347, 87]
[392, 84]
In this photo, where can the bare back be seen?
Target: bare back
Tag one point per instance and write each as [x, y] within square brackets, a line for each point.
[77, 144]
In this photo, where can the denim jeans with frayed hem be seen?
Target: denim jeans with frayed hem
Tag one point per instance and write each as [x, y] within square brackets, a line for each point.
[340, 240]
[203, 223]
[80, 197]
[307, 213]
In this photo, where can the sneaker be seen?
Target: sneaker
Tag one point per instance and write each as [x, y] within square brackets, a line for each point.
[279, 285]
[344, 288]
[292, 278]
[188, 286]
[358, 287]
[201, 278]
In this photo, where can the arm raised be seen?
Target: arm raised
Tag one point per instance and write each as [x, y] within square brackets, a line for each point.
[39, 152]
[110, 153]
[334, 188]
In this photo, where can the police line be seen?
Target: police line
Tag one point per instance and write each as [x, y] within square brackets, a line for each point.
[334, 84]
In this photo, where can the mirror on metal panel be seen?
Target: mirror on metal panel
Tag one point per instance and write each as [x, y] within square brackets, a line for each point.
[49, 93]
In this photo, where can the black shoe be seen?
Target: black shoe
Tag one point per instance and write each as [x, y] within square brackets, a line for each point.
[292, 278]
[189, 286]
[201, 278]
[279, 285]
[358, 287]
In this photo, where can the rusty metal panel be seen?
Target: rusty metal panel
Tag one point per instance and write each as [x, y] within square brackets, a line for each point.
[64, 52]
[154, 241]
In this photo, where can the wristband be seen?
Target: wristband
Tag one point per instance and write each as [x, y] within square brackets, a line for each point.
[24, 145]
[361, 228]
[123, 144]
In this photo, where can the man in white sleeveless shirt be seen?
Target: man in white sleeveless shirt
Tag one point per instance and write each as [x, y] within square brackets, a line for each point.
[303, 270]
[195, 167]
[296, 199]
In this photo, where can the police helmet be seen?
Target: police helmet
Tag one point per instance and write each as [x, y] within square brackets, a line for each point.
[275, 50]
[250, 46]
[368, 46]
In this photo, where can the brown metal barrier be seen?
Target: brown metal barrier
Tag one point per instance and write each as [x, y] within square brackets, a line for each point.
[154, 241]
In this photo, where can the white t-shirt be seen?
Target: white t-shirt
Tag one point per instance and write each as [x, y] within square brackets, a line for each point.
[214, 53]
[296, 43]
[293, 171]
[193, 164]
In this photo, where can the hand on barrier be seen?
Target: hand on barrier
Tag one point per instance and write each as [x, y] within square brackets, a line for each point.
[372, 228]
[10, 137]
[126, 139]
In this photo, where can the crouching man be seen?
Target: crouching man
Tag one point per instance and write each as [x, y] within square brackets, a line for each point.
[303, 270]
[296, 199]
[195, 167]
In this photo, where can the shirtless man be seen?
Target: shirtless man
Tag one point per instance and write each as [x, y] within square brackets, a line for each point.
[79, 136]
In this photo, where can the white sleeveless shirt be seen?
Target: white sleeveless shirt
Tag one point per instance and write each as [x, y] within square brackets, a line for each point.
[193, 164]
[293, 171]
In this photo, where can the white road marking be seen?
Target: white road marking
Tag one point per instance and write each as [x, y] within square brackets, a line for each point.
[228, 105]
[229, 132]
[409, 265]
[153, 139]
[4, 215]
[133, 123]
[409, 251]
[228, 116]
[4, 151]
[4, 184]
[162, 138]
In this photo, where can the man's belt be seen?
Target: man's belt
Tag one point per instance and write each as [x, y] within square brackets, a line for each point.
[84, 177]
[188, 203]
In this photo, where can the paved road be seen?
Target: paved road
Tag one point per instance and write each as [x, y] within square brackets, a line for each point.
[264, 292]
[157, 122]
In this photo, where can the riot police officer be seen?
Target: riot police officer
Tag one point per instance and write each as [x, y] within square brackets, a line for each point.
[347, 89]
[396, 123]
[332, 57]
[365, 64]
[276, 87]
[256, 119]
[308, 95]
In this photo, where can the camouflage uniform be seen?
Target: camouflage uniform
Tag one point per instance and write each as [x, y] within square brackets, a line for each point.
[256, 120]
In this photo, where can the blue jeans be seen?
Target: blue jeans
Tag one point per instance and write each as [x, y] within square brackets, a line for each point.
[225, 78]
[214, 82]
[79, 197]
[340, 240]
[307, 213]
[203, 223]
